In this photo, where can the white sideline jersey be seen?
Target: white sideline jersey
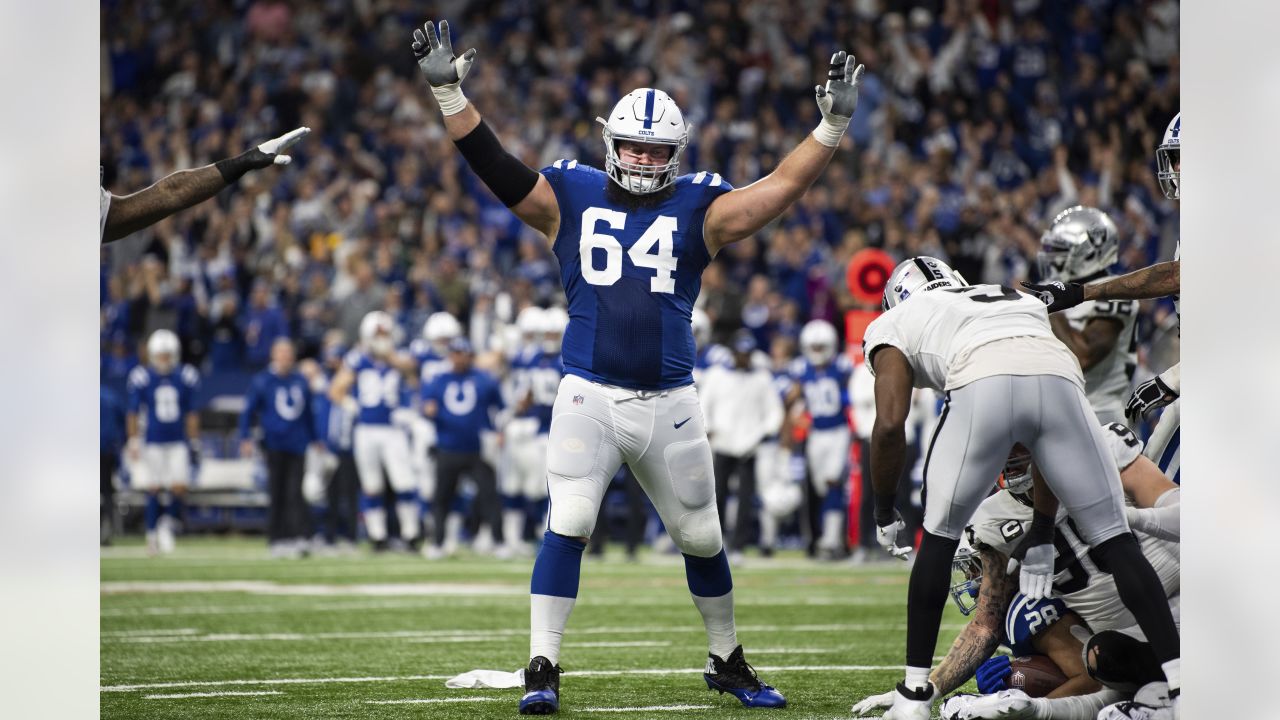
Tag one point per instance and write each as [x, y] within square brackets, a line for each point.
[1003, 518]
[940, 330]
[1106, 384]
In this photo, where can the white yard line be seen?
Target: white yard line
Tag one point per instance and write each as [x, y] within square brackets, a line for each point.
[649, 708]
[158, 632]
[427, 701]
[416, 678]
[228, 693]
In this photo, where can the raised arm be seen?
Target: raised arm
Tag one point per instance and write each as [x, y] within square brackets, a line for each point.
[179, 191]
[737, 214]
[524, 190]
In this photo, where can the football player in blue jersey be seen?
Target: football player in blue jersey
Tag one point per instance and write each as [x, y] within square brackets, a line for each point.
[632, 242]
[375, 370]
[823, 373]
[431, 353]
[163, 452]
[463, 403]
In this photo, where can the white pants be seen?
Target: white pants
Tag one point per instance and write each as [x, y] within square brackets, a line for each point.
[1049, 415]
[165, 465]
[1163, 448]
[526, 470]
[827, 452]
[379, 447]
[659, 434]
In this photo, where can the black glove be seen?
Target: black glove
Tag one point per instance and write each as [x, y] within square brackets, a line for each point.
[1148, 396]
[267, 154]
[1057, 295]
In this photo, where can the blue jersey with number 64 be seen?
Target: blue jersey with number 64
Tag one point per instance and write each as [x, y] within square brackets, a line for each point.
[631, 277]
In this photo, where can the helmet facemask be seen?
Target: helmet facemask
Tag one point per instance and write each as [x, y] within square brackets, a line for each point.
[1168, 170]
[966, 579]
[648, 116]
[1016, 476]
[635, 177]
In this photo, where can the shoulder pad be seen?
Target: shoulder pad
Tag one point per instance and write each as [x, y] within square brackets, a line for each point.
[139, 377]
[1124, 444]
[706, 179]
[353, 358]
[190, 375]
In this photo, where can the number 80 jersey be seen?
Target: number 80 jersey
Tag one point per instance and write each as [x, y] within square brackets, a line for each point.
[631, 277]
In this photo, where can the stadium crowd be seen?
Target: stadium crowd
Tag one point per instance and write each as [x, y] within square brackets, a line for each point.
[979, 121]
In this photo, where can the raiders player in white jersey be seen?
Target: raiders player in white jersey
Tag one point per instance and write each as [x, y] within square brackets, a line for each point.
[126, 214]
[1159, 280]
[1086, 598]
[1007, 380]
[1080, 246]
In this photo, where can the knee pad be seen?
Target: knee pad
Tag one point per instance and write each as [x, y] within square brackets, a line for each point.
[1121, 662]
[699, 533]
[573, 515]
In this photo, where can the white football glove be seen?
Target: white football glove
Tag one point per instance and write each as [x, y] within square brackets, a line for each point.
[276, 146]
[887, 536]
[873, 702]
[1036, 579]
[1004, 705]
[957, 707]
[444, 70]
[838, 98]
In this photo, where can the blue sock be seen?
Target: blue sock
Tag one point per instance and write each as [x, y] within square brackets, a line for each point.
[708, 576]
[834, 499]
[558, 566]
[512, 502]
[370, 502]
[151, 512]
[424, 506]
[175, 506]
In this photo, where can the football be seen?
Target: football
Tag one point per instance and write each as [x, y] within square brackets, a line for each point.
[1036, 675]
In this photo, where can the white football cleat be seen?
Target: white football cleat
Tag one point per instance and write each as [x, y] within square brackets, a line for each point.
[957, 707]
[164, 534]
[153, 544]
[431, 551]
[1151, 702]
[1004, 705]
[918, 706]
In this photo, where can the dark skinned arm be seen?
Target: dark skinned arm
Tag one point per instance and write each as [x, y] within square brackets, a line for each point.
[1090, 345]
[888, 435]
[179, 191]
[1044, 502]
[1065, 651]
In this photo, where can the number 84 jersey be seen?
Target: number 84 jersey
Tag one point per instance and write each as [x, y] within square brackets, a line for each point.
[631, 276]
[939, 331]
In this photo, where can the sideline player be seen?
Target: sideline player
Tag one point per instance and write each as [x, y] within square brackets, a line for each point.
[168, 389]
[823, 374]
[1007, 380]
[632, 242]
[126, 214]
[375, 371]
[1080, 246]
[1159, 280]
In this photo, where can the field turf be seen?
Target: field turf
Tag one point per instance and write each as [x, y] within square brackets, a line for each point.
[219, 630]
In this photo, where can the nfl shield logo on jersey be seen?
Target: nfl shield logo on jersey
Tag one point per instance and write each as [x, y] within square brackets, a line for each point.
[578, 399]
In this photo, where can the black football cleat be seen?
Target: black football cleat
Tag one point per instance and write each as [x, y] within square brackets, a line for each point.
[734, 676]
[541, 688]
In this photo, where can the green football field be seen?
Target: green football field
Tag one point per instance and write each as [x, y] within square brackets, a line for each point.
[218, 630]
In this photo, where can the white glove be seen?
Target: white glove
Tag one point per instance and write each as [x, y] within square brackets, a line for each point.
[887, 536]
[957, 707]
[1004, 705]
[873, 702]
[443, 69]
[838, 98]
[282, 143]
[1036, 579]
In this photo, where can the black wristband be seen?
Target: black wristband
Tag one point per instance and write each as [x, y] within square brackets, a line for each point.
[1041, 530]
[509, 179]
[233, 168]
[884, 508]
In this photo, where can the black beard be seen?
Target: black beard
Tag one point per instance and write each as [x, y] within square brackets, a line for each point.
[614, 193]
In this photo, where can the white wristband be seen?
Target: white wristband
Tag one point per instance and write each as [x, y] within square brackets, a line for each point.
[829, 133]
[450, 98]
[1173, 378]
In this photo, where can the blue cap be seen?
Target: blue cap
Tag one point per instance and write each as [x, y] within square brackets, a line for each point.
[460, 344]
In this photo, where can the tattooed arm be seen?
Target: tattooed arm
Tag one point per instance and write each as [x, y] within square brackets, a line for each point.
[980, 638]
[1155, 281]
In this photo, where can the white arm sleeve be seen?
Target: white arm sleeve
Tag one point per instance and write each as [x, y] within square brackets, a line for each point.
[1079, 707]
[1164, 521]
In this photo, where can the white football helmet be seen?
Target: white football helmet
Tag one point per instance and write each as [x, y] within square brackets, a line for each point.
[781, 499]
[1081, 243]
[439, 329]
[531, 323]
[1168, 160]
[701, 328]
[163, 344]
[818, 342]
[554, 322]
[378, 333]
[648, 116]
[918, 274]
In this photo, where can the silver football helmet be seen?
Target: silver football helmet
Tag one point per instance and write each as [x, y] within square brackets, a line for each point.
[645, 115]
[966, 576]
[1081, 243]
[1168, 160]
[918, 274]
[1016, 476]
